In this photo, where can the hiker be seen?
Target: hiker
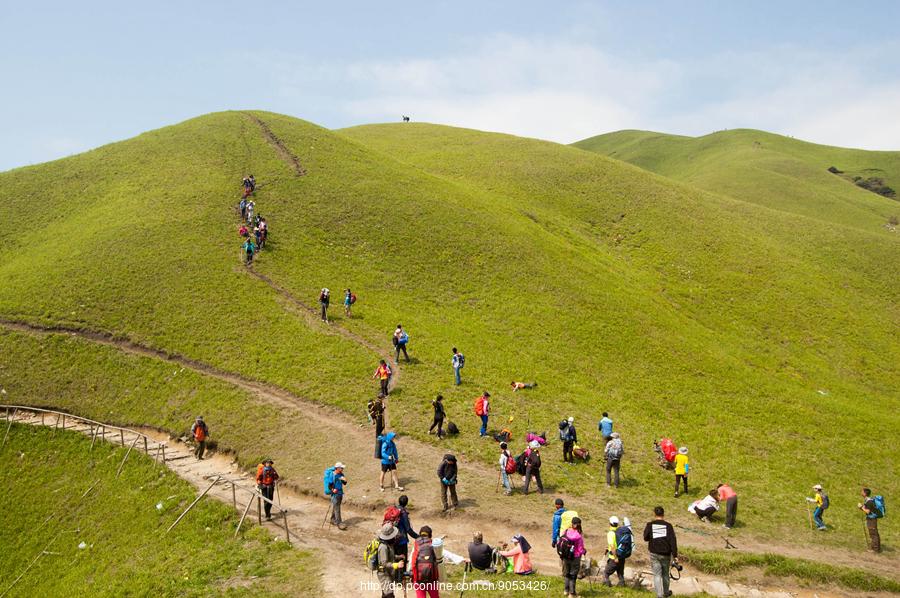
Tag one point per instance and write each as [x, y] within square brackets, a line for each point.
[400, 340]
[557, 519]
[624, 539]
[265, 480]
[250, 207]
[375, 410]
[706, 506]
[258, 235]
[873, 507]
[569, 437]
[249, 250]
[682, 467]
[243, 206]
[439, 414]
[383, 373]
[482, 410]
[335, 484]
[533, 468]
[200, 432]
[613, 453]
[507, 466]
[252, 182]
[243, 232]
[324, 300]
[264, 230]
[516, 386]
[727, 494]
[822, 503]
[570, 549]
[613, 563]
[389, 460]
[480, 554]
[349, 300]
[606, 427]
[519, 554]
[424, 566]
[399, 516]
[663, 547]
[458, 361]
[447, 472]
[387, 565]
[535, 437]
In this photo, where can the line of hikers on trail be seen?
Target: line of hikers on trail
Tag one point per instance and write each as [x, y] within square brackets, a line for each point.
[254, 229]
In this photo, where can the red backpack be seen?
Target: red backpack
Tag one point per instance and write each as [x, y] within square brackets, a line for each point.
[426, 561]
[392, 515]
[510, 463]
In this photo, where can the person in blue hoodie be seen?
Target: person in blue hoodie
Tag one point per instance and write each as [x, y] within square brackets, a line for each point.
[389, 459]
[605, 426]
[557, 519]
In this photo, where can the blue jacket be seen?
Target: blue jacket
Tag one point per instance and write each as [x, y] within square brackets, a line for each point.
[557, 522]
[605, 426]
[337, 484]
[389, 449]
[405, 529]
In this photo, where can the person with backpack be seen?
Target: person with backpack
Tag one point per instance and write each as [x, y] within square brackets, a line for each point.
[613, 563]
[252, 182]
[383, 373]
[249, 249]
[264, 229]
[569, 437]
[243, 232]
[606, 428]
[266, 479]
[822, 503]
[663, 548]
[381, 558]
[243, 207]
[400, 340]
[334, 489]
[624, 548]
[349, 300]
[557, 520]
[458, 361]
[613, 453]
[439, 414]
[482, 409]
[389, 460]
[520, 554]
[682, 467]
[570, 549]
[533, 468]
[447, 472]
[324, 300]
[399, 517]
[200, 432]
[727, 494]
[507, 466]
[251, 205]
[424, 566]
[873, 507]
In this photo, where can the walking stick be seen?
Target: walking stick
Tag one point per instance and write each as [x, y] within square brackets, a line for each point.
[809, 512]
[463, 587]
[324, 521]
[278, 493]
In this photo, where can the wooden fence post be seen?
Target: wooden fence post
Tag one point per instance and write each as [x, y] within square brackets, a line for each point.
[125, 458]
[244, 516]
[122, 436]
[287, 533]
[196, 500]
[146, 450]
[233, 496]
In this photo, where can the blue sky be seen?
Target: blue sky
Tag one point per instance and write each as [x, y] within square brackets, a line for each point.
[78, 75]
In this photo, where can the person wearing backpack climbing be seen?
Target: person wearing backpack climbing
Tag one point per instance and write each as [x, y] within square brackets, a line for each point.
[520, 553]
[384, 561]
[613, 564]
[727, 494]
[389, 460]
[252, 182]
[569, 437]
[266, 479]
[482, 409]
[613, 453]
[439, 414]
[606, 428]
[243, 232]
[264, 229]
[383, 373]
[334, 484]
[457, 361]
[400, 340]
[399, 517]
[560, 506]
[624, 547]
[682, 467]
[873, 507]
[348, 302]
[663, 548]
[822, 503]
[200, 432]
[480, 554]
[243, 207]
[251, 205]
[570, 549]
[533, 468]
[324, 300]
[424, 566]
[507, 466]
[447, 472]
[249, 249]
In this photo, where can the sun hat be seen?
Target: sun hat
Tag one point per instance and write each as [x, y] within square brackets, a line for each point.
[614, 520]
[339, 465]
[534, 444]
[817, 487]
[626, 522]
[682, 450]
[615, 435]
[571, 419]
[388, 532]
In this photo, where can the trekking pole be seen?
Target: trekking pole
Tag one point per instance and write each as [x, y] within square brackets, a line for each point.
[278, 493]
[463, 586]
[326, 515]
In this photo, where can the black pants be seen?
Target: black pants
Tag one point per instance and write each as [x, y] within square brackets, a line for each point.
[614, 567]
[705, 512]
[612, 467]
[439, 422]
[324, 311]
[268, 492]
[568, 446]
[401, 347]
[384, 386]
[536, 474]
[678, 478]
[570, 568]
[201, 448]
[730, 511]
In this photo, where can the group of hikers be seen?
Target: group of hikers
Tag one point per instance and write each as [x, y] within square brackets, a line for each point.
[254, 229]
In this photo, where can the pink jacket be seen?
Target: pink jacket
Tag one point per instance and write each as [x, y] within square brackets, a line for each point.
[521, 560]
[576, 538]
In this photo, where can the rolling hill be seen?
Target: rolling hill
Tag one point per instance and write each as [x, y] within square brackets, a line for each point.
[765, 340]
[771, 170]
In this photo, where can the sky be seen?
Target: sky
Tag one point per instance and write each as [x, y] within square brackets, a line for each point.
[81, 74]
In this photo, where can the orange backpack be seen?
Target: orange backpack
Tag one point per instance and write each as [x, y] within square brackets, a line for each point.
[479, 406]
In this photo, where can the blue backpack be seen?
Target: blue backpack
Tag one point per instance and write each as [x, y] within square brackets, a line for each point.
[624, 542]
[879, 505]
[328, 480]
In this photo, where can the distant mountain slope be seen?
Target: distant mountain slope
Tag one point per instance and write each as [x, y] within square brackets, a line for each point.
[771, 170]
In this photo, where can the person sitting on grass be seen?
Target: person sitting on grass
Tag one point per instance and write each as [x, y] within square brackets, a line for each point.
[520, 554]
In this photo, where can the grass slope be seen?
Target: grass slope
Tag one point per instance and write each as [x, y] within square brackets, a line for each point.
[683, 313]
[775, 171]
[127, 550]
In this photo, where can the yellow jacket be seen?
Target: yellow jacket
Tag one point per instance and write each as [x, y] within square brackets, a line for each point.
[611, 545]
[680, 462]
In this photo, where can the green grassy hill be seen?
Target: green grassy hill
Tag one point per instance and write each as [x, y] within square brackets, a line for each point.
[764, 340]
[60, 493]
[771, 170]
